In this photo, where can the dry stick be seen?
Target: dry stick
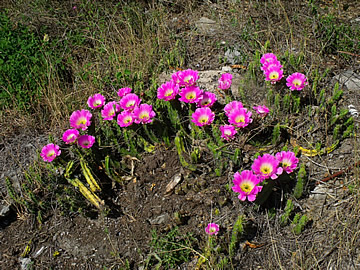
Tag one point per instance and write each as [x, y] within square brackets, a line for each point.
[338, 173]
[349, 53]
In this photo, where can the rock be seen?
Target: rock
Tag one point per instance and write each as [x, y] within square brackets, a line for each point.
[159, 219]
[349, 79]
[207, 26]
[232, 56]
[25, 263]
[4, 210]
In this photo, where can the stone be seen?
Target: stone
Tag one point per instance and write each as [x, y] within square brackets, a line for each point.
[207, 26]
[349, 79]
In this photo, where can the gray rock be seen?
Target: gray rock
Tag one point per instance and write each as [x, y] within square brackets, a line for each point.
[207, 26]
[4, 209]
[349, 79]
[25, 263]
[160, 219]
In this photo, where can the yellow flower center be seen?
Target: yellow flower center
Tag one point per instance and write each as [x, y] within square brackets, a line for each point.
[127, 120]
[144, 115]
[168, 93]
[265, 169]
[81, 121]
[187, 79]
[190, 96]
[129, 104]
[296, 82]
[274, 75]
[203, 119]
[51, 153]
[240, 119]
[246, 187]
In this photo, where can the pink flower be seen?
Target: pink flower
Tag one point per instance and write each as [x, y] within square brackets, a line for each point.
[203, 116]
[109, 111]
[267, 57]
[86, 141]
[49, 152]
[240, 117]
[296, 81]
[246, 184]
[168, 91]
[191, 94]
[70, 135]
[124, 91]
[144, 114]
[175, 77]
[262, 110]
[96, 101]
[273, 74]
[288, 161]
[80, 119]
[188, 77]
[212, 229]
[232, 106]
[266, 166]
[129, 102]
[225, 81]
[227, 132]
[125, 118]
[271, 63]
[208, 99]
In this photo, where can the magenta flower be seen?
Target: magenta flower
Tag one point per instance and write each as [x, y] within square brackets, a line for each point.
[240, 117]
[144, 114]
[246, 184]
[296, 81]
[262, 110]
[288, 161]
[227, 132]
[267, 57]
[188, 77]
[266, 166]
[49, 152]
[175, 77]
[80, 119]
[125, 118]
[208, 99]
[124, 91]
[190, 94]
[168, 91]
[129, 102]
[109, 111]
[96, 101]
[271, 63]
[273, 74]
[203, 116]
[86, 141]
[225, 81]
[212, 229]
[70, 136]
[232, 106]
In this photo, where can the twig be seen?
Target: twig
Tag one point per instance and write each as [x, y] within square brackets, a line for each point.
[338, 173]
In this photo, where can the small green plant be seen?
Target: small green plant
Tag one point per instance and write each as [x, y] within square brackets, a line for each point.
[237, 231]
[299, 222]
[169, 250]
[301, 179]
[284, 219]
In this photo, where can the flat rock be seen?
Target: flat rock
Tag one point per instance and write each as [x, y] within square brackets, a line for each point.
[349, 79]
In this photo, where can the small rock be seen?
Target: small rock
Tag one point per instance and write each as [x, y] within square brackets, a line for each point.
[25, 263]
[159, 219]
[350, 79]
[207, 26]
[4, 210]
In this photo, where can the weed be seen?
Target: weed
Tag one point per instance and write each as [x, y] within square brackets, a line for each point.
[169, 250]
